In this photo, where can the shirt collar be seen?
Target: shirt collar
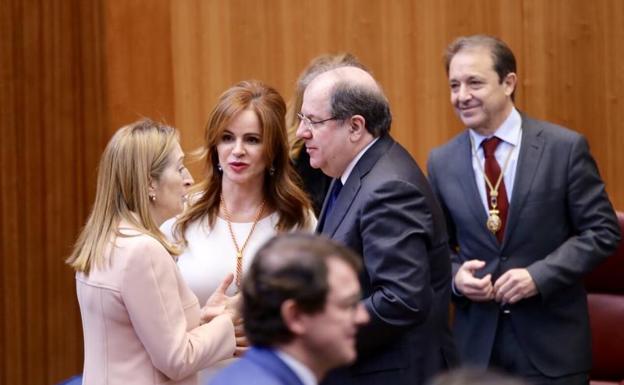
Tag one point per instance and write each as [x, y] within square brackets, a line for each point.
[508, 131]
[351, 166]
[303, 372]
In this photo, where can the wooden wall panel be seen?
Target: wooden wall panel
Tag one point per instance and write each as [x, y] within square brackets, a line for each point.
[53, 130]
[71, 72]
[569, 63]
[138, 64]
[571, 73]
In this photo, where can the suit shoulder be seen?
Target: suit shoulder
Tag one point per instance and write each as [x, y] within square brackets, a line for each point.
[142, 249]
[241, 372]
[449, 147]
[552, 130]
[397, 164]
[449, 151]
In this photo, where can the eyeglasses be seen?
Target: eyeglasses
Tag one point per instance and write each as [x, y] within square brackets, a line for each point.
[309, 123]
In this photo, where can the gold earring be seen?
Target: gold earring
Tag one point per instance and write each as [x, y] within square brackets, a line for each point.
[152, 198]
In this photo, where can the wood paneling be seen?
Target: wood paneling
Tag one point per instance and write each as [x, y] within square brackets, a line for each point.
[52, 114]
[71, 72]
[138, 64]
[570, 66]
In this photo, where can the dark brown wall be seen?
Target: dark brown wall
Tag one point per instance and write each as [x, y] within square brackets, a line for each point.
[71, 72]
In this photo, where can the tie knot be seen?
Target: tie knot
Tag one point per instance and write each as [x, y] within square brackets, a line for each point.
[489, 146]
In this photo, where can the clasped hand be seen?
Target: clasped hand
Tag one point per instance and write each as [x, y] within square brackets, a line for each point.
[509, 288]
[221, 303]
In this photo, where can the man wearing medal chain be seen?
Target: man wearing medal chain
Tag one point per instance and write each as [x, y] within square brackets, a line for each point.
[528, 217]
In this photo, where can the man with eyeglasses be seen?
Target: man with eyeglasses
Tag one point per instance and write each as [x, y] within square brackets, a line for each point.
[381, 206]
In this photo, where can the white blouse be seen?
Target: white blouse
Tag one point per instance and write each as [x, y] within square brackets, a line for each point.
[210, 255]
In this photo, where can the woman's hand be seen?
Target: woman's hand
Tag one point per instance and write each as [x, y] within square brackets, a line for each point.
[219, 302]
[242, 344]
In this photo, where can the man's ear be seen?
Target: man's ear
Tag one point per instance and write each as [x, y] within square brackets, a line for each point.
[510, 82]
[357, 127]
[293, 317]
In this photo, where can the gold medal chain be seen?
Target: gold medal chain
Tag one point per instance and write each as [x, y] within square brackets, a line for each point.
[240, 250]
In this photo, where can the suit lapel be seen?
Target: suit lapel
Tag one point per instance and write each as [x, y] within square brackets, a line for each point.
[354, 182]
[529, 158]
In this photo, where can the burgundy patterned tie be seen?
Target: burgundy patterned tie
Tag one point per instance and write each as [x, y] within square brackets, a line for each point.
[493, 171]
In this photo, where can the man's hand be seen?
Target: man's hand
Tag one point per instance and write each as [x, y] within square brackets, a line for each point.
[476, 289]
[514, 285]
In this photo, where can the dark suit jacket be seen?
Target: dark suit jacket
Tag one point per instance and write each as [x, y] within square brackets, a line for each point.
[259, 366]
[560, 226]
[315, 183]
[387, 213]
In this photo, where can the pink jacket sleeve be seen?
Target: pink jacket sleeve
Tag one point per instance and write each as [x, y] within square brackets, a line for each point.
[152, 291]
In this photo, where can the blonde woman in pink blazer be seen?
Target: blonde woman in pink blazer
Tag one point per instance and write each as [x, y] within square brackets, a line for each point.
[141, 323]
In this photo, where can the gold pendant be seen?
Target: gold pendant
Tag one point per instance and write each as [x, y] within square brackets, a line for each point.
[494, 222]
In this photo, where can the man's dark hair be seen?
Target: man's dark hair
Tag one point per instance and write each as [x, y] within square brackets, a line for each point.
[350, 99]
[289, 266]
[502, 56]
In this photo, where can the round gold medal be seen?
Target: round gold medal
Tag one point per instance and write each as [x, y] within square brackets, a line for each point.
[494, 223]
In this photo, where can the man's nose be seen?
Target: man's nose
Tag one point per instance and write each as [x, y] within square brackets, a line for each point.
[303, 132]
[463, 94]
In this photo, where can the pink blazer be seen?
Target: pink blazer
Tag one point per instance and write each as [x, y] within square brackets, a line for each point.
[141, 321]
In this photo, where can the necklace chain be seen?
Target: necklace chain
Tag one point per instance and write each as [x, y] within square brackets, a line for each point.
[493, 189]
[240, 250]
[494, 222]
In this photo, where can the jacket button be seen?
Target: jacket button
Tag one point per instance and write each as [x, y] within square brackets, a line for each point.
[504, 258]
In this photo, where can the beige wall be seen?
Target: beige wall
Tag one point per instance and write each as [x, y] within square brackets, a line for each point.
[72, 72]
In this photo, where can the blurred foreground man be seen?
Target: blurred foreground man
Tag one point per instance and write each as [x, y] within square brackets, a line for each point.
[302, 310]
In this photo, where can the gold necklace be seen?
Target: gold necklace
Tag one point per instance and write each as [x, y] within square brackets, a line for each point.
[240, 250]
[493, 223]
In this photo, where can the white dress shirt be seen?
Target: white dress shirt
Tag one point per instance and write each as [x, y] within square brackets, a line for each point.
[351, 166]
[510, 133]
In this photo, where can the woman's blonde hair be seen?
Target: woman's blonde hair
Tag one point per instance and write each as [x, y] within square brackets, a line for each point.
[281, 184]
[317, 66]
[137, 154]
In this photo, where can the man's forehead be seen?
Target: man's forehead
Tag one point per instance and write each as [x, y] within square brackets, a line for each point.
[352, 75]
[317, 96]
[483, 54]
[321, 85]
[319, 89]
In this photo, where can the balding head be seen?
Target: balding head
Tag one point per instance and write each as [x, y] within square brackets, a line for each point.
[343, 110]
[353, 91]
[353, 75]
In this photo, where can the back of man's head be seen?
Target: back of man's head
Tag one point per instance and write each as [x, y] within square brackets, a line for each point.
[288, 267]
